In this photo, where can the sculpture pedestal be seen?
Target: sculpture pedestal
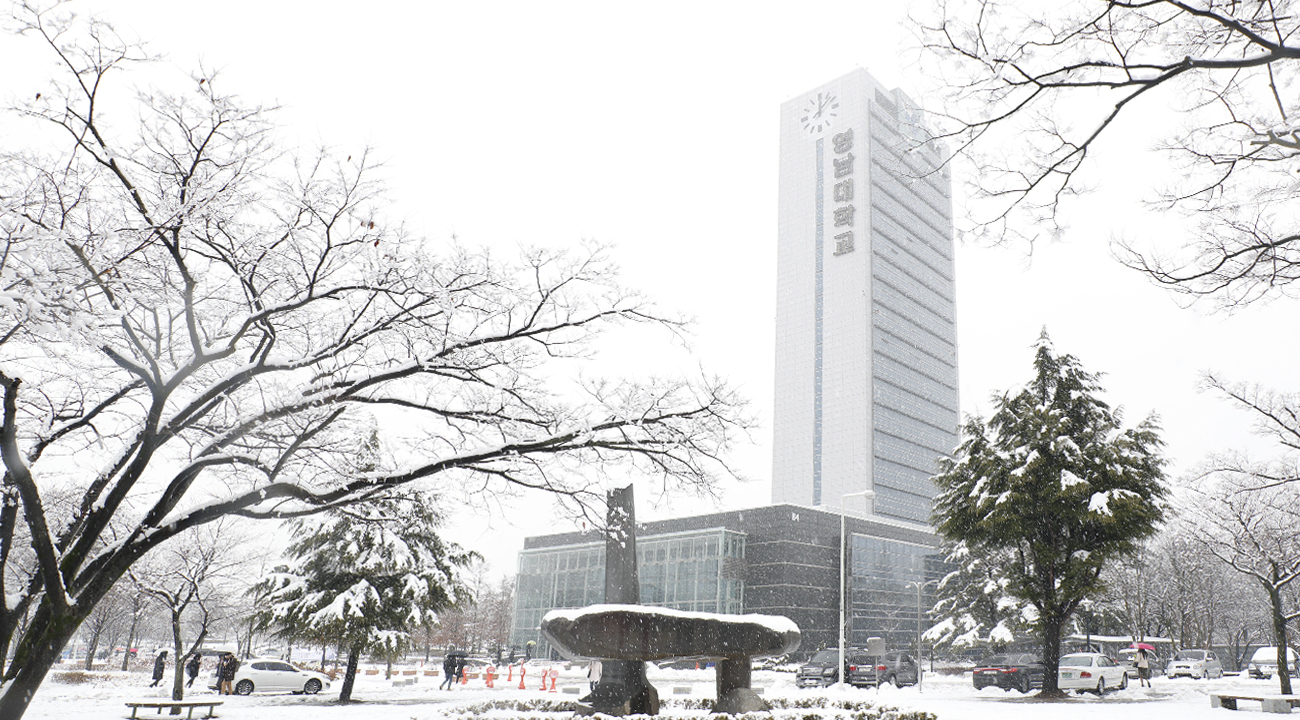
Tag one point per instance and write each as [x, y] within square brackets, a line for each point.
[623, 690]
[624, 637]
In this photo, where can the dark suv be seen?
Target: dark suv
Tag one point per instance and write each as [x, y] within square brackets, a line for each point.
[1010, 671]
[820, 670]
[893, 668]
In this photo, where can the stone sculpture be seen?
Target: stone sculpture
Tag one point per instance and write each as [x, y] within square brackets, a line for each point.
[625, 635]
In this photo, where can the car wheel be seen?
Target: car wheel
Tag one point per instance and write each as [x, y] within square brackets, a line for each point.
[244, 687]
[1101, 686]
[891, 680]
[1080, 691]
[1024, 684]
[1123, 682]
[312, 687]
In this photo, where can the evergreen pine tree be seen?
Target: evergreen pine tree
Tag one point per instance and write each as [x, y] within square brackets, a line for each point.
[1054, 488]
[366, 576]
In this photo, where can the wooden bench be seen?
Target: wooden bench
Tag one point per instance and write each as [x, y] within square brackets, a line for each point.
[211, 705]
[1270, 703]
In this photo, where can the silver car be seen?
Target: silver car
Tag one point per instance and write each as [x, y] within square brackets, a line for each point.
[1197, 664]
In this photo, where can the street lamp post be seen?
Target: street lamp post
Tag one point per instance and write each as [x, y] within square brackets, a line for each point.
[1086, 606]
[919, 654]
[868, 494]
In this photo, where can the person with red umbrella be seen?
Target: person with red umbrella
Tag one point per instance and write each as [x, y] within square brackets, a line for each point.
[1143, 663]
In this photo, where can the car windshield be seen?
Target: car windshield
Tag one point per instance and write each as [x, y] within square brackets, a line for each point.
[996, 661]
[1026, 659]
[1190, 655]
[826, 657]
[1076, 660]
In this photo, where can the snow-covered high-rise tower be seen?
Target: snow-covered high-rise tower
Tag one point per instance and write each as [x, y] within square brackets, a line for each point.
[866, 339]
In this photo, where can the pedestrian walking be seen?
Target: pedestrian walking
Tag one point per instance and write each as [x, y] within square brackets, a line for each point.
[226, 669]
[448, 671]
[1144, 668]
[593, 673]
[192, 668]
[159, 668]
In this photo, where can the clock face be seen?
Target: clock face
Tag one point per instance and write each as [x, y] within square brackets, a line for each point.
[819, 113]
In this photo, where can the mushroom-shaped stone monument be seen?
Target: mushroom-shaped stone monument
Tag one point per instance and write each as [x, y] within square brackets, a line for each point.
[639, 633]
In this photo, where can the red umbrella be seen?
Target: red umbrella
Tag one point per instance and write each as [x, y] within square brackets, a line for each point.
[1143, 646]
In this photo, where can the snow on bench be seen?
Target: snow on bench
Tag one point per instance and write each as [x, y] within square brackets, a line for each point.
[211, 705]
[1270, 703]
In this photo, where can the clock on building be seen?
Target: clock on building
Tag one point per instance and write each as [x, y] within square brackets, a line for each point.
[819, 113]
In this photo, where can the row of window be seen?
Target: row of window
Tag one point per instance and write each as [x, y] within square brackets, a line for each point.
[912, 234]
[918, 259]
[891, 338]
[888, 420]
[932, 188]
[902, 452]
[885, 367]
[912, 405]
[912, 278]
[931, 170]
[910, 214]
[892, 502]
[884, 271]
[920, 310]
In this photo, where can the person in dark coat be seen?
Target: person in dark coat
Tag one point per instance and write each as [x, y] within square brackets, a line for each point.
[159, 668]
[460, 669]
[448, 671]
[192, 668]
[226, 669]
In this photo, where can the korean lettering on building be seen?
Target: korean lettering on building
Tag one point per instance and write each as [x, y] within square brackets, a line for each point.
[844, 209]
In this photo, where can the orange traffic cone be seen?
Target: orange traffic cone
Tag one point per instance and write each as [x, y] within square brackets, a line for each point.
[488, 674]
[511, 670]
[554, 674]
[521, 676]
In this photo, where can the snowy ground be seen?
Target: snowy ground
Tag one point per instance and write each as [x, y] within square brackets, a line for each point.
[949, 697]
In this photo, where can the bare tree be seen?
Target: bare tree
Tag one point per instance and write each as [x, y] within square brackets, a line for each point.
[1253, 530]
[1030, 90]
[184, 578]
[1132, 596]
[200, 324]
[106, 623]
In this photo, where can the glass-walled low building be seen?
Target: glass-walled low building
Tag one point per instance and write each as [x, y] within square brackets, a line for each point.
[775, 560]
[699, 570]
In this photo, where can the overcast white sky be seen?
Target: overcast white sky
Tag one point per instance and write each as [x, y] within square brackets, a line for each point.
[654, 128]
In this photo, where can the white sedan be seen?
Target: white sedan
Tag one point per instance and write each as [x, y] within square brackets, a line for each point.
[270, 675]
[1082, 672]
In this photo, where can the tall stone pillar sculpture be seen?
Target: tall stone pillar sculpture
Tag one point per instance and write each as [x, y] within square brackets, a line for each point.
[623, 688]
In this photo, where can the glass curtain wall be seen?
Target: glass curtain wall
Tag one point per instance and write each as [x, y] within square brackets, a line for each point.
[882, 602]
[699, 570]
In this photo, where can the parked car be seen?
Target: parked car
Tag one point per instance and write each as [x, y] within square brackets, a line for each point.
[820, 671]
[271, 675]
[893, 668]
[768, 663]
[1128, 658]
[1197, 664]
[1083, 672]
[1264, 662]
[1010, 671]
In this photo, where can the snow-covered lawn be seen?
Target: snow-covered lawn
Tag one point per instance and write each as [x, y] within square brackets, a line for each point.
[948, 697]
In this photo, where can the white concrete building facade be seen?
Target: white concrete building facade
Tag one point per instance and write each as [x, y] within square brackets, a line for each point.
[866, 342]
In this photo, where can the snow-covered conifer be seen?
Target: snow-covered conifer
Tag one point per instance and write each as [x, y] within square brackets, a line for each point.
[1051, 488]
